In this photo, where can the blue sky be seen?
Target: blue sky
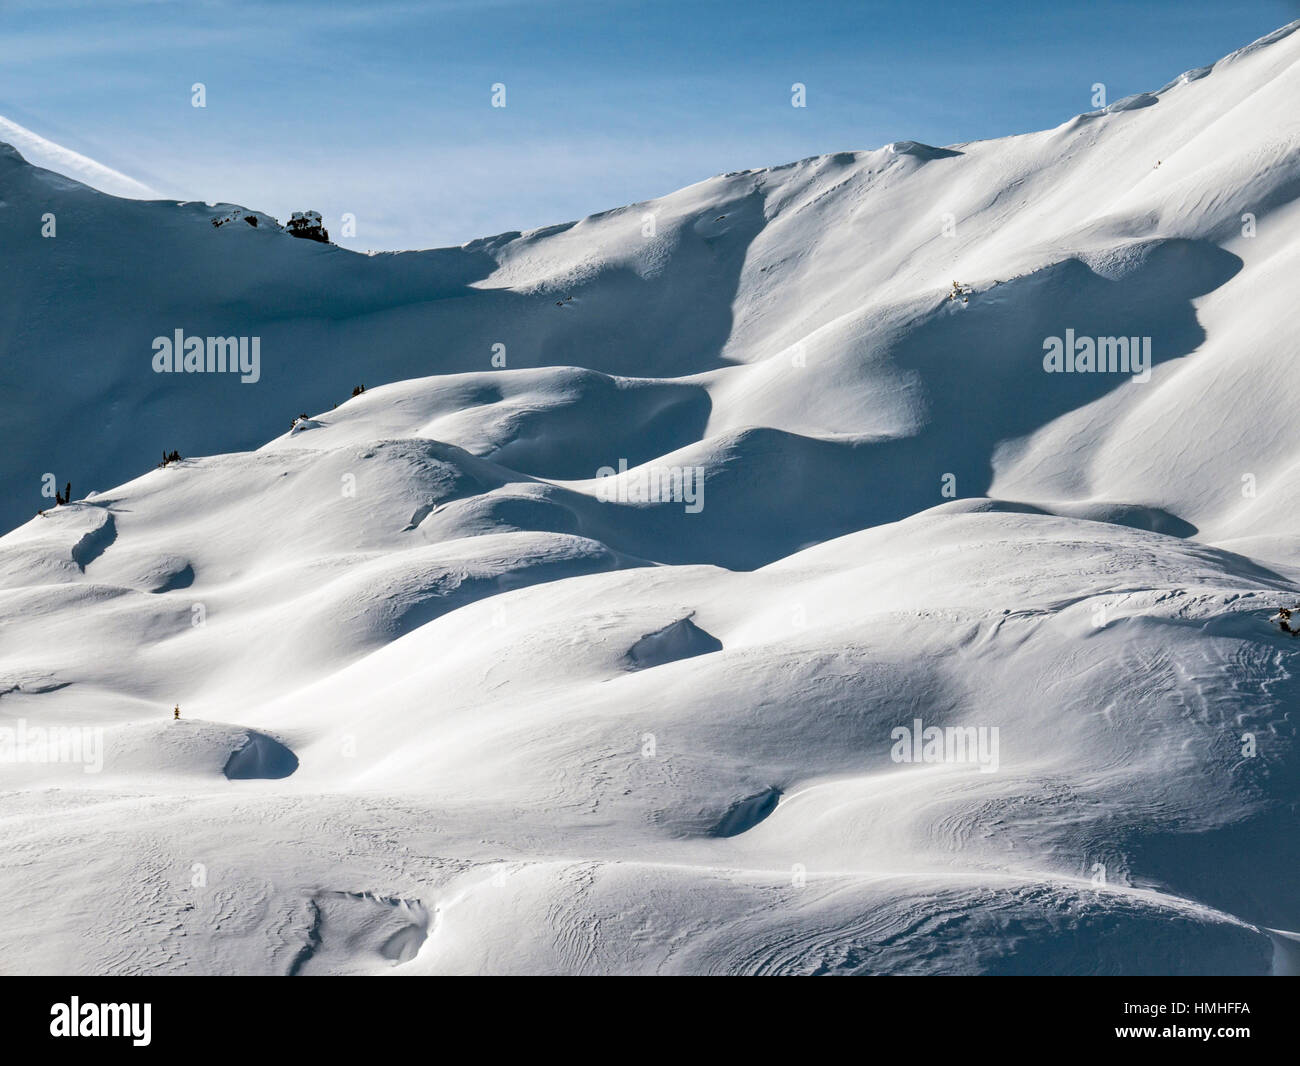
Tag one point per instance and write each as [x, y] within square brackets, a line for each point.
[384, 109]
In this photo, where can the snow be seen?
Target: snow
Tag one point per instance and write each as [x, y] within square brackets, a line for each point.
[454, 701]
[56, 157]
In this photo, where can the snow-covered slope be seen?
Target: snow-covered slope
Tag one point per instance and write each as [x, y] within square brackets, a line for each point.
[453, 701]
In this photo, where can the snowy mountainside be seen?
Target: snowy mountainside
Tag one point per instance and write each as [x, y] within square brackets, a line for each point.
[461, 691]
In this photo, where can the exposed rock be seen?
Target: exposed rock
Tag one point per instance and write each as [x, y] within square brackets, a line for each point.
[308, 224]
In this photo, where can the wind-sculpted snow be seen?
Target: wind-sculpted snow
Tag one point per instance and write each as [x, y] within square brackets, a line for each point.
[722, 584]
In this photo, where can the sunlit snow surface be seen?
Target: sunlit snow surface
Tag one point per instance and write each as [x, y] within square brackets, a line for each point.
[452, 703]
